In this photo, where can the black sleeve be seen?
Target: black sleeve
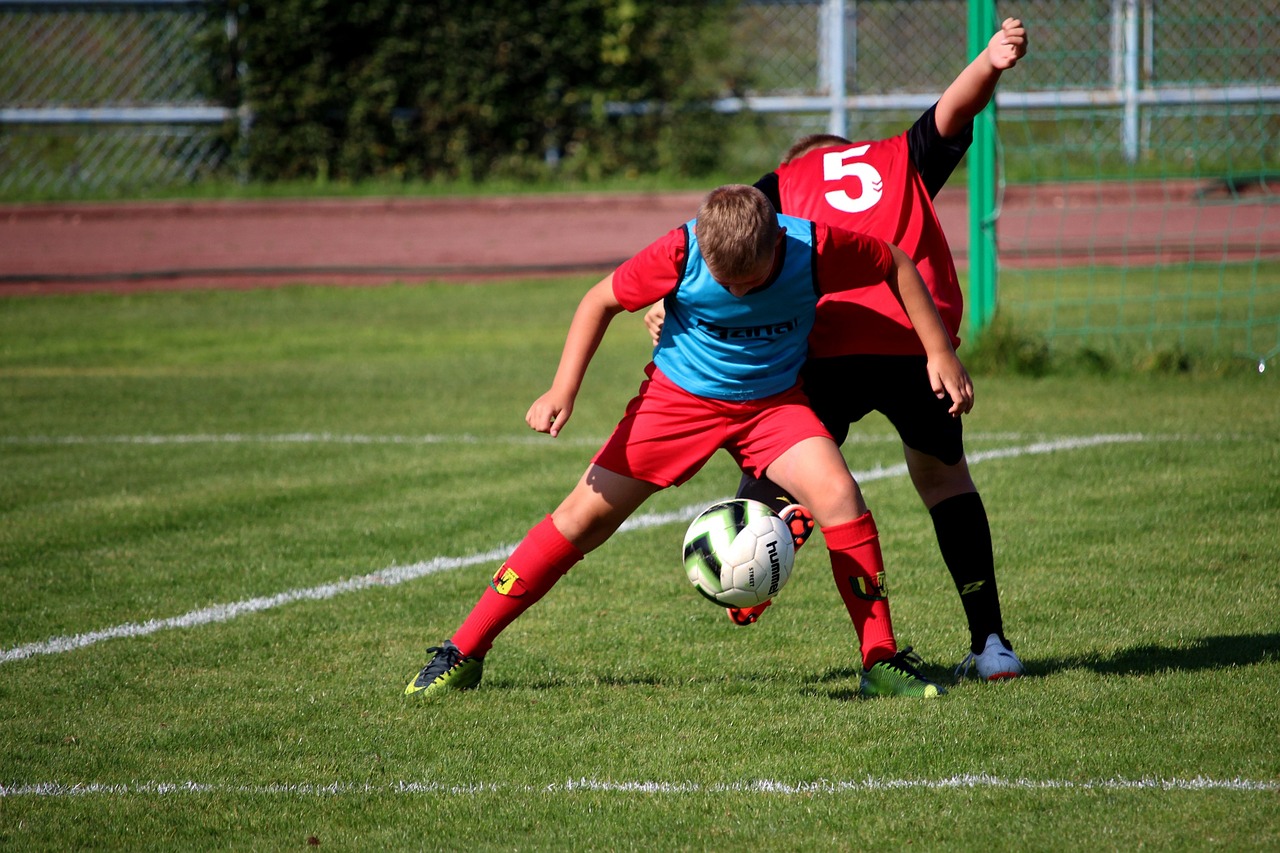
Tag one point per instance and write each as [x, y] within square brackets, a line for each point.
[934, 156]
[769, 186]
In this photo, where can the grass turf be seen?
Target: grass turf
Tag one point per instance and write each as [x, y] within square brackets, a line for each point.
[164, 453]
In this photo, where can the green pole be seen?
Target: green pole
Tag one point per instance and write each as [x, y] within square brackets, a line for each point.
[982, 186]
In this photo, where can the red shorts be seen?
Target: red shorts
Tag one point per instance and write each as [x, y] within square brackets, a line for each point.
[668, 434]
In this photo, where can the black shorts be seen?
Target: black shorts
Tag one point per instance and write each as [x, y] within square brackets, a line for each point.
[845, 388]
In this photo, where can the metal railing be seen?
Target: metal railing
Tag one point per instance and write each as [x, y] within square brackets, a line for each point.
[104, 95]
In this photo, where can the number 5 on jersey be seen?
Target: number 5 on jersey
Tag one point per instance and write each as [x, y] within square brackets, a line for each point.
[842, 164]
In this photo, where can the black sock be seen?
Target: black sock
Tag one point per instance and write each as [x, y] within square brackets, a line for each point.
[766, 491]
[964, 537]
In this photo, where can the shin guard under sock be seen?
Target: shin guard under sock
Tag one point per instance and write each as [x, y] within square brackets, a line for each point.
[964, 538]
[537, 563]
[858, 568]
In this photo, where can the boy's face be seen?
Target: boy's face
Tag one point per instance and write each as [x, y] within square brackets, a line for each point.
[741, 287]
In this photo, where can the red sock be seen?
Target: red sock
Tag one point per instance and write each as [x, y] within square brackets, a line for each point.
[541, 559]
[858, 568]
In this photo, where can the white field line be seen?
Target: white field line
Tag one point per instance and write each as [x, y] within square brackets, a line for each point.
[571, 786]
[395, 575]
[286, 438]
[356, 439]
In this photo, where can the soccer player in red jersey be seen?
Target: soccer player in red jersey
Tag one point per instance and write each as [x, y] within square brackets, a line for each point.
[865, 356]
[742, 285]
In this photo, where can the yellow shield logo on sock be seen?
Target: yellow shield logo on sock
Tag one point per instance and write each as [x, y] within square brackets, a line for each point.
[504, 580]
[869, 590]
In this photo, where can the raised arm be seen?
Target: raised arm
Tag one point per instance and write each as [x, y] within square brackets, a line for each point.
[973, 88]
[550, 412]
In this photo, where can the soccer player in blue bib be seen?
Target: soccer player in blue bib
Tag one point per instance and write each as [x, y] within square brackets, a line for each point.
[864, 355]
[741, 284]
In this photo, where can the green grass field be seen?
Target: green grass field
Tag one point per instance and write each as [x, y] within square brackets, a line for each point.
[230, 522]
[1214, 316]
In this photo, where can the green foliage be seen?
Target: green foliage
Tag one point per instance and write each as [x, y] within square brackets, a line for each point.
[1006, 349]
[1002, 349]
[1099, 319]
[465, 91]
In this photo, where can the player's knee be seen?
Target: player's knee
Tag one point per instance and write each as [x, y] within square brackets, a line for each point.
[836, 501]
[936, 481]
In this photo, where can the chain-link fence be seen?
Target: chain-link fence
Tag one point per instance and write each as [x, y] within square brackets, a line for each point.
[106, 96]
[1137, 155]
[1166, 82]
[1141, 136]
[1139, 217]
[865, 68]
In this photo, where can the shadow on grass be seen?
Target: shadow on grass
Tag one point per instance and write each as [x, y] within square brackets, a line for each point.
[841, 684]
[1205, 653]
[1196, 654]
[823, 685]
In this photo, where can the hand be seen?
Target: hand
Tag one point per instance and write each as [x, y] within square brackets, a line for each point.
[1009, 45]
[653, 320]
[549, 413]
[949, 378]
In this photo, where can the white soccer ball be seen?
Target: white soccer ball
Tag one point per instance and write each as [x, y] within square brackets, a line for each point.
[738, 553]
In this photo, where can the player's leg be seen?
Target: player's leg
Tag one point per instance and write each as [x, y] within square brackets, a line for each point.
[837, 404]
[815, 471]
[964, 539]
[795, 515]
[592, 512]
[665, 436]
[836, 409]
[933, 446]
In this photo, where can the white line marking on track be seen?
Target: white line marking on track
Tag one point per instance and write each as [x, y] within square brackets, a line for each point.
[395, 575]
[760, 786]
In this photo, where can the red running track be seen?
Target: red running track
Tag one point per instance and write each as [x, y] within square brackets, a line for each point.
[47, 248]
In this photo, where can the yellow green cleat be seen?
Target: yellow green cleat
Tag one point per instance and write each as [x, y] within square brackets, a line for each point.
[898, 676]
[449, 669]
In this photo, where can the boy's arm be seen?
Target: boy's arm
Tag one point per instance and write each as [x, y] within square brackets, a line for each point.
[550, 412]
[653, 320]
[946, 374]
[973, 88]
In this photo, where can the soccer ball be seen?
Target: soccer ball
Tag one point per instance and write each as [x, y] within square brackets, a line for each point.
[738, 553]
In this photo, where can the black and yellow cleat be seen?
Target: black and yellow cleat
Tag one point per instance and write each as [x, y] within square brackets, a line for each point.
[449, 669]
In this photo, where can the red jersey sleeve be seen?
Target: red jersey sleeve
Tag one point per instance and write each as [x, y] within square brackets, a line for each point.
[652, 273]
[849, 259]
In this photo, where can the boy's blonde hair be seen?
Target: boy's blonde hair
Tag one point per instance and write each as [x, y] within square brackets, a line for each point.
[812, 142]
[737, 232]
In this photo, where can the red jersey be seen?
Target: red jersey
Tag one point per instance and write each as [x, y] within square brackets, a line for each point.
[841, 259]
[873, 187]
